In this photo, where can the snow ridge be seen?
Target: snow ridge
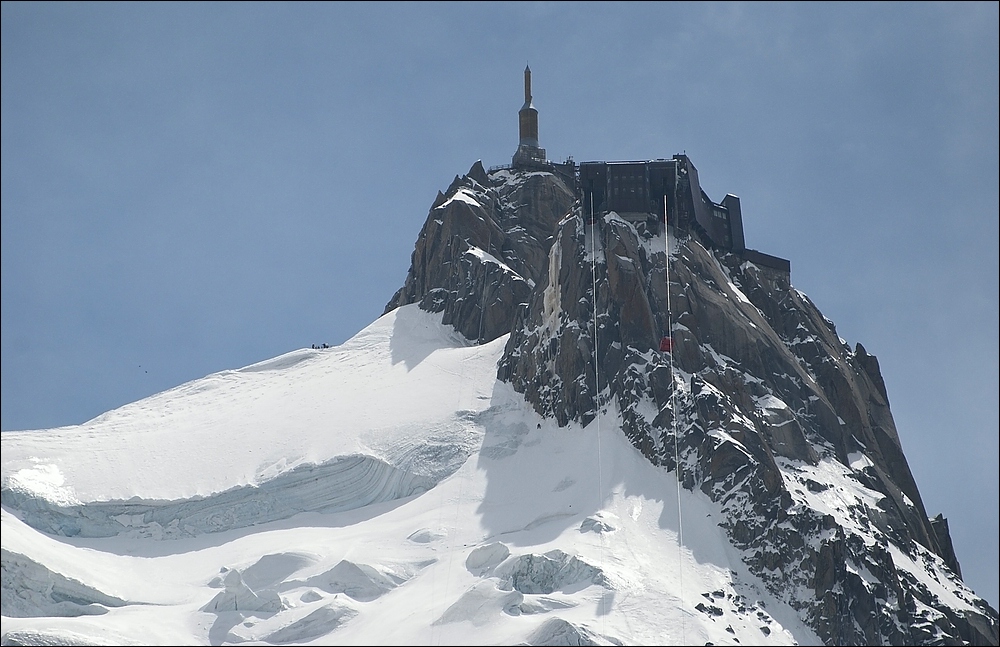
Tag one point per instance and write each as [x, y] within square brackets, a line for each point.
[343, 483]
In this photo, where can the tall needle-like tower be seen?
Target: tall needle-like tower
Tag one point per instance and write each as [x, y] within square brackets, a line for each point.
[528, 153]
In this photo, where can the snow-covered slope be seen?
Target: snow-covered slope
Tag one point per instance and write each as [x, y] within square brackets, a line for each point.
[415, 487]
[457, 515]
[386, 391]
[760, 405]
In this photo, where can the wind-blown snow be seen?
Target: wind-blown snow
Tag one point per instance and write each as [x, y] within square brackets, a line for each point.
[462, 195]
[503, 535]
[490, 258]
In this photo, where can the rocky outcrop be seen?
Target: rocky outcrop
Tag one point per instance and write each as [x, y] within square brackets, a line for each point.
[483, 247]
[762, 399]
[760, 405]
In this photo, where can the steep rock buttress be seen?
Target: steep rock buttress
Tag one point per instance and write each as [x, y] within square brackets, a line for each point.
[483, 249]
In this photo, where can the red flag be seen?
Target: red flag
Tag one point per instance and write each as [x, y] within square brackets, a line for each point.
[667, 345]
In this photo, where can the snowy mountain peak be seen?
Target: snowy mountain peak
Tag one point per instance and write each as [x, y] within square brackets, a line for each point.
[766, 409]
[506, 456]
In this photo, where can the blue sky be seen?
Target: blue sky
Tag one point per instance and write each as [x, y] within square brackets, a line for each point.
[188, 188]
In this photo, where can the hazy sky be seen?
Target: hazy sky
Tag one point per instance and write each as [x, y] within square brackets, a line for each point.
[188, 188]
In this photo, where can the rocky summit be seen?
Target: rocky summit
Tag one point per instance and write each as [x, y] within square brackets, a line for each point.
[760, 404]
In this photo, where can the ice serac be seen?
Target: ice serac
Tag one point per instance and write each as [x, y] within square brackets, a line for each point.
[773, 415]
[32, 590]
[342, 483]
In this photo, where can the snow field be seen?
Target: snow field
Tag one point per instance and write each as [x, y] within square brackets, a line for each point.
[514, 540]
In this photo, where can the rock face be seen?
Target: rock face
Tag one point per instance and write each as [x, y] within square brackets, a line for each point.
[483, 249]
[761, 405]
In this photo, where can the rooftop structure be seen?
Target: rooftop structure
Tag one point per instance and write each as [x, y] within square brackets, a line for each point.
[651, 192]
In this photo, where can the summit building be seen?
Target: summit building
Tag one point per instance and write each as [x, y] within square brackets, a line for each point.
[653, 192]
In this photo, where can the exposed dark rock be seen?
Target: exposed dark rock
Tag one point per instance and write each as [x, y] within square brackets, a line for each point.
[480, 252]
[940, 527]
[760, 396]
